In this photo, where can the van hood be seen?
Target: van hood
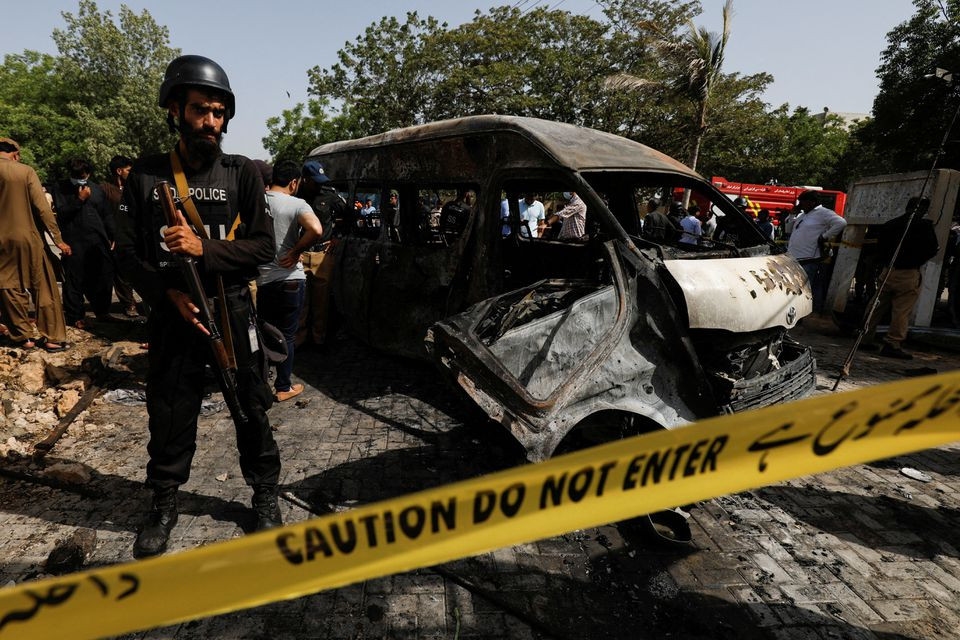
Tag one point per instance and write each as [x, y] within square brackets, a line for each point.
[743, 294]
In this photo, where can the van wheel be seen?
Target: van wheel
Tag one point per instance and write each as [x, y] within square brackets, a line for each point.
[662, 528]
[602, 427]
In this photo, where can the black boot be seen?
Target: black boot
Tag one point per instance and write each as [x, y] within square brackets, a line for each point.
[266, 507]
[152, 539]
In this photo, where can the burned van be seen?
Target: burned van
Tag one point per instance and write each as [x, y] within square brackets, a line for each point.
[512, 252]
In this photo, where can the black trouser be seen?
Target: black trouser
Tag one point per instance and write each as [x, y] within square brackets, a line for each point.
[279, 303]
[88, 271]
[123, 288]
[175, 386]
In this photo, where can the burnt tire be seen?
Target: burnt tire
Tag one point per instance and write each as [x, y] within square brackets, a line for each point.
[662, 528]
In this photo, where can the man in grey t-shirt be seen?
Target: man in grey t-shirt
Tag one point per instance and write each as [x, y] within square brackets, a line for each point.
[280, 286]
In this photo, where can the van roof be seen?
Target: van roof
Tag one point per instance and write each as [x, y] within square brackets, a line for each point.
[577, 148]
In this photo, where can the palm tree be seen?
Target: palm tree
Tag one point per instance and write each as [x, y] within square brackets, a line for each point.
[692, 65]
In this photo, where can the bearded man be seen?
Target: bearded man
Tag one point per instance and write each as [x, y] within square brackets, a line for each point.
[227, 194]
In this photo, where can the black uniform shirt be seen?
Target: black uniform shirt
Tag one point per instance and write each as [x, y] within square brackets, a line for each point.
[331, 210]
[657, 226]
[230, 187]
[87, 221]
[919, 245]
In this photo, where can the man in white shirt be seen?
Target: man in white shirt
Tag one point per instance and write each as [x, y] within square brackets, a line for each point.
[692, 230]
[368, 209]
[708, 222]
[533, 215]
[813, 227]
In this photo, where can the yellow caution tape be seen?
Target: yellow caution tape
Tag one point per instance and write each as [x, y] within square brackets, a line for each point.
[588, 488]
[752, 207]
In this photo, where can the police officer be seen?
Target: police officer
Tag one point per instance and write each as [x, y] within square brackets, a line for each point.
[454, 216]
[327, 203]
[332, 211]
[228, 193]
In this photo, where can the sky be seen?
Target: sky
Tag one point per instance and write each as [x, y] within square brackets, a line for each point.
[821, 53]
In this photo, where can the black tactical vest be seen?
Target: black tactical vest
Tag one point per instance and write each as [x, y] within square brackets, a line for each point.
[215, 193]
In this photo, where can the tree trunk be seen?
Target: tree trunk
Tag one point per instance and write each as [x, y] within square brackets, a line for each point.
[695, 152]
[697, 141]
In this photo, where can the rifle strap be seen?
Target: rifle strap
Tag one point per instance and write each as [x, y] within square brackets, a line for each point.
[183, 190]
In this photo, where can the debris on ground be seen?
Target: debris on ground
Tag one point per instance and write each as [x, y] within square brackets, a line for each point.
[38, 389]
[209, 406]
[70, 554]
[30, 374]
[126, 397]
[56, 375]
[138, 398]
[14, 446]
[68, 472]
[916, 474]
[66, 402]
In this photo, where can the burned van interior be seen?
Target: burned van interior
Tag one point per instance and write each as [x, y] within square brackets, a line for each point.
[527, 256]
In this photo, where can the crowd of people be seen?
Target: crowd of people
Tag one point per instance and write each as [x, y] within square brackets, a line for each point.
[80, 216]
[77, 215]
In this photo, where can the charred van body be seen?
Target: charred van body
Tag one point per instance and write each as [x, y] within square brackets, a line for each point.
[547, 332]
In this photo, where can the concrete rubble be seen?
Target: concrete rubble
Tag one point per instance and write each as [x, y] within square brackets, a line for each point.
[37, 389]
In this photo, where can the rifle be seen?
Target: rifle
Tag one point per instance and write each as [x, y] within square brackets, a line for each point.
[224, 372]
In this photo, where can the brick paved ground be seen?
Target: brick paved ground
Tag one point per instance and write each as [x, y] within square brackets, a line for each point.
[862, 552]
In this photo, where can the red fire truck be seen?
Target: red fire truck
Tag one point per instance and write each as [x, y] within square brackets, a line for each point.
[776, 198]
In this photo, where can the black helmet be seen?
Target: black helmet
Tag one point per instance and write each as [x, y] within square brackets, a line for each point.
[741, 202]
[196, 71]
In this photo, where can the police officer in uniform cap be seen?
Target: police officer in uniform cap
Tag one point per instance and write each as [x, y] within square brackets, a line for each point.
[228, 193]
[327, 203]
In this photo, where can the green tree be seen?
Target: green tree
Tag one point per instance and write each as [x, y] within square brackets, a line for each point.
[812, 149]
[649, 17]
[911, 110]
[691, 66]
[384, 78]
[32, 109]
[743, 142]
[96, 98]
[554, 65]
[538, 63]
[295, 132]
[860, 157]
[757, 144]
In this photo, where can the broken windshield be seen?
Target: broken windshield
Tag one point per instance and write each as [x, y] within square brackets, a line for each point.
[674, 211]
